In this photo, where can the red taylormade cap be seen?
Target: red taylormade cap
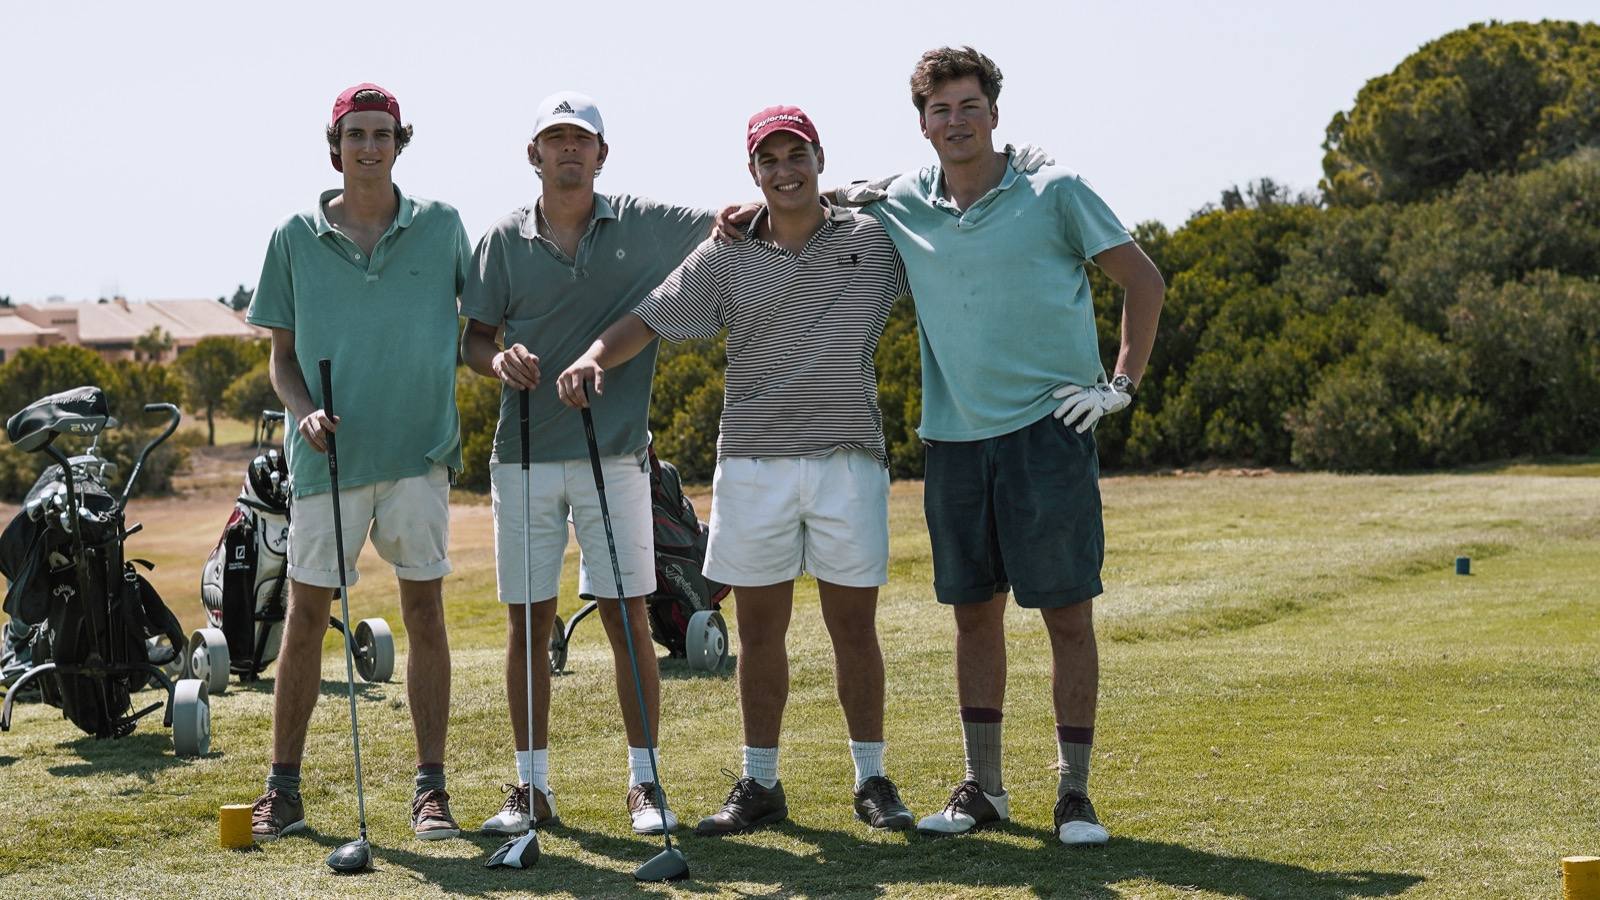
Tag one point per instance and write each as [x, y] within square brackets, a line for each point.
[779, 118]
[346, 103]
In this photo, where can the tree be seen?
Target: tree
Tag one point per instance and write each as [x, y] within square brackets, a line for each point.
[210, 367]
[252, 393]
[152, 345]
[1488, 98]
[241, 299]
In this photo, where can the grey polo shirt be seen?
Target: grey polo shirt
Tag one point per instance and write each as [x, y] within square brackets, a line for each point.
[556, 307]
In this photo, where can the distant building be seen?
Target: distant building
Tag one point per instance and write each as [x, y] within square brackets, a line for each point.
[113, 328]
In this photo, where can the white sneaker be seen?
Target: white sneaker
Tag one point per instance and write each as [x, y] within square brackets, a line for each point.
[513, 816]
[647, 817]
[968, 808]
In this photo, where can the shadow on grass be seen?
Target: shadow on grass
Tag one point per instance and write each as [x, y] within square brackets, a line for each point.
[468, 877]
[673, 669]
[326, 688]
[142, 753]
[845, 864]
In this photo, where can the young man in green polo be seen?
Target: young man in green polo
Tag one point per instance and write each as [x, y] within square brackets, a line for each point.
[1012, 386]
[369, 279]
[546, 280]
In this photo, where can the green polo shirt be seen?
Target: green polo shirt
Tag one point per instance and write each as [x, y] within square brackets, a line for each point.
[556, 307]
[388, 323]
[1003, 305]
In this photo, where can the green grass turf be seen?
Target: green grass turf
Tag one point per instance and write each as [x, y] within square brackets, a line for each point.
[1299, 700]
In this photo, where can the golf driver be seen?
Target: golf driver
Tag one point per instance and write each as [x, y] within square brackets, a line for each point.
[356, 856]
[522, 852]
[669, 864]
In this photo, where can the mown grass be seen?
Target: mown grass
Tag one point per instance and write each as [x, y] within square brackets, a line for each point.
[1298, 700]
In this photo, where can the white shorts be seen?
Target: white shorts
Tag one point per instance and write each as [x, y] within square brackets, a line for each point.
[562, 492]
[409, 519]
[772, 518]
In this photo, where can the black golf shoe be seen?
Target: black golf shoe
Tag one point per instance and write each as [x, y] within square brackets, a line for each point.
[749, 805]
[968, 808]
[878, 804]
[1076, 823]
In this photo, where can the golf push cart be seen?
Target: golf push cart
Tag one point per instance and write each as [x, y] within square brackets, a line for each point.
[685, 609]
[244, 584]
[90, 624]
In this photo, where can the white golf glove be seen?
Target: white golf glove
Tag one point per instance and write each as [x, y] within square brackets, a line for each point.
[1028, 159]
[1085, 405]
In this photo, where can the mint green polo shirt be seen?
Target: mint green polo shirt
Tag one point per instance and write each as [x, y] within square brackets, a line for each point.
[388, 323]
[556, 307]
[1003, 305]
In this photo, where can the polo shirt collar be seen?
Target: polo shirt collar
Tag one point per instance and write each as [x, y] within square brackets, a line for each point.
[530, 222]
[941, 198]
[834, 215]
[402, 216]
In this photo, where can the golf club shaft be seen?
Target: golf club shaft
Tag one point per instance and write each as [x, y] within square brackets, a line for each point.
[622, 602]
[527, 593]
[325, 369]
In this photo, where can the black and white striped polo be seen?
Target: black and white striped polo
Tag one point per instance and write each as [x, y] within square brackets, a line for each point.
[802, 332]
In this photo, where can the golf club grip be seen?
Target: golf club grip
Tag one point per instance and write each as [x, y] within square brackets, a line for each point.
[594, 449]
[523, 400]
[325, 370]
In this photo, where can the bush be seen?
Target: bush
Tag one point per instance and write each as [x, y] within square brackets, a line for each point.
[478, 404]
[246, 398]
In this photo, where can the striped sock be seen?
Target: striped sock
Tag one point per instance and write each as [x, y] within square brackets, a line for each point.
[761, 763]
[868, 756]
[1073, 761]
[980, 733]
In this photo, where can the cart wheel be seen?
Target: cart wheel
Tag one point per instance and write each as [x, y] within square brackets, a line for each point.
[706, 641]
[374, 650]
[558, 647]
[191, 717]
[207, 659]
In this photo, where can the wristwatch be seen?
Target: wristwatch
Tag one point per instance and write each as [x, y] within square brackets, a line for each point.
[1122, 383]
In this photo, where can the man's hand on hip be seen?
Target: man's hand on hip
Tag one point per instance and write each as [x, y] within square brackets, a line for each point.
[1086, 405]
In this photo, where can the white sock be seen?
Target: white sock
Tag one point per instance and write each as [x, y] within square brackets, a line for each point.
[868, 756]
[761, 763]
[533, 767]
[639, 765]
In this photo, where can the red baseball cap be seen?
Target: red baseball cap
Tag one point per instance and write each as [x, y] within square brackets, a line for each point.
[779, 118]
[346, 103]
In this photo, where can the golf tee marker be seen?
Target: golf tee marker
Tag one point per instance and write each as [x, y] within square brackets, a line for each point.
[233, 826]
[1580, 878]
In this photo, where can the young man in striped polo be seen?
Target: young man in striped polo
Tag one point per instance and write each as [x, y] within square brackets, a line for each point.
[801, 482]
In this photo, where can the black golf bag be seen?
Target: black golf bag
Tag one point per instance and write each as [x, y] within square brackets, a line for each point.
[681, 589]
[96, 631]
[244, 584]
[684, 608]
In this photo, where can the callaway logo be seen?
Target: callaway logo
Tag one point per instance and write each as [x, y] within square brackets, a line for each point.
[563, 107]
[781, 117]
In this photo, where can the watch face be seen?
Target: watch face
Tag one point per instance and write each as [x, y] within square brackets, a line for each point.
[1123, 383]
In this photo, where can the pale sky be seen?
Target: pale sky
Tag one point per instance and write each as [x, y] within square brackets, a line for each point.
[150, 148]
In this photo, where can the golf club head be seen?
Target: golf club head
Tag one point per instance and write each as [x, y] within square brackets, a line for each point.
[355, 856]
[517, 853]
[668, 865]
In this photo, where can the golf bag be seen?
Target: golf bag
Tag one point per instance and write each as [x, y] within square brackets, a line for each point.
[244, 583]
[93, 628]
[681, 589]
[684, 608]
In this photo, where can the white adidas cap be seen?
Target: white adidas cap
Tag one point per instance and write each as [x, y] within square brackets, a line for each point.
[569, 107]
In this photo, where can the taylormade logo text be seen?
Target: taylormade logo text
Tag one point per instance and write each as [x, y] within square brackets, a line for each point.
[781, 117]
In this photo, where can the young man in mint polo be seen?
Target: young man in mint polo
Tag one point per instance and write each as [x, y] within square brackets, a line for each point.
[801, 482]
[1012, 386]
[369, 279]
[546, 280]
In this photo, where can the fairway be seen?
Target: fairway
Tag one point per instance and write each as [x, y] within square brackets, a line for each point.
[1299, 699]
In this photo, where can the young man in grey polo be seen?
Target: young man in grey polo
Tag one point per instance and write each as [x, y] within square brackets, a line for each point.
[1012, 386]
[801, 482]
[367, 278]
[546, 280]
